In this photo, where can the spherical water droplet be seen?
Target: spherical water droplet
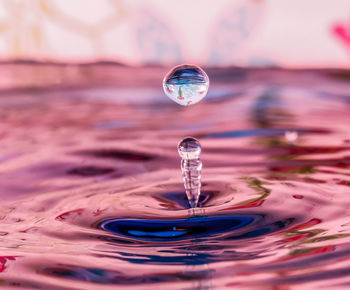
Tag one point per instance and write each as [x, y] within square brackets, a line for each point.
[186, 84]
[189, 148]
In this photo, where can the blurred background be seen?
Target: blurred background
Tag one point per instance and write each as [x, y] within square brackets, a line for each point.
[295, 34]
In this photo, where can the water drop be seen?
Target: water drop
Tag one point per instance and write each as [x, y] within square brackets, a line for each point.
[191, 167]
[186, 84]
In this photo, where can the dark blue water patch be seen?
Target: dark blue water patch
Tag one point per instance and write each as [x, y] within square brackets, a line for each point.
[104, 276]
[209, 229]
[176, 229]
[180, 198]
[264, 229]
[90, 171]
[170, 258]
[120, 154]
[197, 246]
[17, 282]
[263, 132]
[183, 255]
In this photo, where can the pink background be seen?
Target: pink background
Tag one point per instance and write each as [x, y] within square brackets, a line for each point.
[298, 33]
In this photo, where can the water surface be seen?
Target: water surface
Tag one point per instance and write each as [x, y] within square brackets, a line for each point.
[92, 196]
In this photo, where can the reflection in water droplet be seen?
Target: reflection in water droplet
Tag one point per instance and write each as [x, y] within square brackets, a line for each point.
[186, 84]
[191, 167]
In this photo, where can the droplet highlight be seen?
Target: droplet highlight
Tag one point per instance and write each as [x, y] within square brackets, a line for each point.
[291, 137]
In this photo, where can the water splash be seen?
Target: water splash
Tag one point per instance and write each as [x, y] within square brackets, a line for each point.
[186, 84]
[189, 150]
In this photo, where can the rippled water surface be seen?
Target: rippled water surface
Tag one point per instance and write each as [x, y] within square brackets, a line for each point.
[92, 196]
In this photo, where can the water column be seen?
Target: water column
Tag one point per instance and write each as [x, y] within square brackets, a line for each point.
[191, 167]
[187, 85]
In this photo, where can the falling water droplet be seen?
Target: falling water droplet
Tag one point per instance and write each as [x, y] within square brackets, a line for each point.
[186, 84]
[189, 150]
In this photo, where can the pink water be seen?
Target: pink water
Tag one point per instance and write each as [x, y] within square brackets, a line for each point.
[82, 146]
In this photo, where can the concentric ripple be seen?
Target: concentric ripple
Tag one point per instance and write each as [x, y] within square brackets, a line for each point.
[92, 196]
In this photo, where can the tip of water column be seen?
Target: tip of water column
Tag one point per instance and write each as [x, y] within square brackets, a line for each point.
[189, 148]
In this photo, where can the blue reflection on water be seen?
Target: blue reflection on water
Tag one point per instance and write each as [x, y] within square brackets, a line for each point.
[177, 229]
